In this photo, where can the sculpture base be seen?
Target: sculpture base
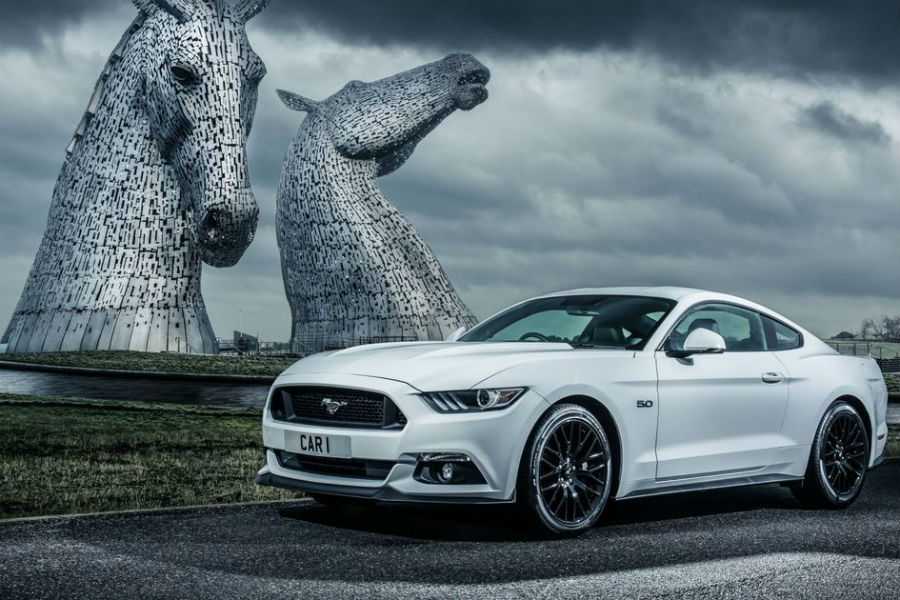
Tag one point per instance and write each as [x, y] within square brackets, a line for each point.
[185, 330]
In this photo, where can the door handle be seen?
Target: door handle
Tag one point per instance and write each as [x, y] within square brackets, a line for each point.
[772, 377]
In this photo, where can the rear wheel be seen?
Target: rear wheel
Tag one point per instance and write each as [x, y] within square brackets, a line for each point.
[838, 460]
[566, 471]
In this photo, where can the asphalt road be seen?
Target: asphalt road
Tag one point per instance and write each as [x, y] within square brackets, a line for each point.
[740, 543]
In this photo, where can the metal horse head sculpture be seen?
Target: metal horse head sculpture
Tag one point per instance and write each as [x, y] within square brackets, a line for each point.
[155, 181]
[353, 266]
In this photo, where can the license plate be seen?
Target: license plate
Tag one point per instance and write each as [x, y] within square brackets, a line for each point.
[318, 444]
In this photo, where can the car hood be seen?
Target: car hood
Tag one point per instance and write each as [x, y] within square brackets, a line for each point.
[434, 366]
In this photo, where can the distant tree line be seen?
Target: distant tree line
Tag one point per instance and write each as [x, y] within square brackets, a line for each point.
[883, 328]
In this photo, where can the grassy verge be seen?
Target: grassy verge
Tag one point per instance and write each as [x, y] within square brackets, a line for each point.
[892, 380]
[61, 455]
[892, 449]
[170, 363]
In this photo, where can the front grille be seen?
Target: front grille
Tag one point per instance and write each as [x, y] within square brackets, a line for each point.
[351, 408]
[340, 467]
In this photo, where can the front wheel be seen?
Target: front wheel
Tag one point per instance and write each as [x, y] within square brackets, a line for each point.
[566, 471]
[838, 460]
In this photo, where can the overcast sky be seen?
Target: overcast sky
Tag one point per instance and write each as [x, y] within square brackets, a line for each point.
[746, 147]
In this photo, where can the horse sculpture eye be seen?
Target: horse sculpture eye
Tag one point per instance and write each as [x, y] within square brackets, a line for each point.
[183, 75]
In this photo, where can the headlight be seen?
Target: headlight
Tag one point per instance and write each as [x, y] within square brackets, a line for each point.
[472, 400]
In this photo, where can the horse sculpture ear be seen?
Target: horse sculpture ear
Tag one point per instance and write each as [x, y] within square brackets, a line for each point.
[296, 101]
[250, 8]
[180, 9]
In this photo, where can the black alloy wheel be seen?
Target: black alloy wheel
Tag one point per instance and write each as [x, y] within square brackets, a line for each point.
[569, 470]
[843, 459]
[838, 460]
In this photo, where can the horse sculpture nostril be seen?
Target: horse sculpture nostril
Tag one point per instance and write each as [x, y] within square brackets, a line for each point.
[210, 226]
[225, 227]
[469, 89]
[477, 75]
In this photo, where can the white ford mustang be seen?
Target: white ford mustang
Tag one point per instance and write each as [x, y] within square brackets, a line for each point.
[564, 401]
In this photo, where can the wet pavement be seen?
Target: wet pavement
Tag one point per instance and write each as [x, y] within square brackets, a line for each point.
[740, 543]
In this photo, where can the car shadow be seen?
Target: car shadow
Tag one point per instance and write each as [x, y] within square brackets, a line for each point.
[420, 521]
[699, 504]
[499, 523]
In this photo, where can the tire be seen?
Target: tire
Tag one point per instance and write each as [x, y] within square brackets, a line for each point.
[838, 460]
[566, 471]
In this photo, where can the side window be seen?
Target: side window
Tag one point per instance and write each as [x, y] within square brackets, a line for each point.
[779, 336]
[741, 329]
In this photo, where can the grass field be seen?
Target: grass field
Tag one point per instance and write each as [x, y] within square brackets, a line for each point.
[171, 363]
[62, 456]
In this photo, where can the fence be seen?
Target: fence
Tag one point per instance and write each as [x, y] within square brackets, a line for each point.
[889, 365]
[323, 343]
[874, 348]
[303, 346]
[886, 354]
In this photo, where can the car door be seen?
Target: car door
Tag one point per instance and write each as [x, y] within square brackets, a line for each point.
[719, 414]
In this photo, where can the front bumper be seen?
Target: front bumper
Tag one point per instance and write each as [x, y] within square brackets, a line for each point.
[380, 494]
[493, 441]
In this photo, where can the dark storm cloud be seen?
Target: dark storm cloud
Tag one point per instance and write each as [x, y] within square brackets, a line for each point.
[24, 23]
[791, 38]
[828, 118]
[800, 38]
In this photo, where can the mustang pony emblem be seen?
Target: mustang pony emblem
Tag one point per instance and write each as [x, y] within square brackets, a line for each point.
[332, 406]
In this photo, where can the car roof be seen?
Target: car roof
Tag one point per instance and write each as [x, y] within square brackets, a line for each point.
[682, 295]
[670, 292]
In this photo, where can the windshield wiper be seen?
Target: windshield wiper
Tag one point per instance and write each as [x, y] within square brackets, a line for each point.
[590, 345]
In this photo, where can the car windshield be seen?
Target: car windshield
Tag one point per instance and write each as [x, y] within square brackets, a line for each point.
[587, 321]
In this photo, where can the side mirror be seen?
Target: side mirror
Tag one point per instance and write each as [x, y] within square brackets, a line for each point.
[700, 341]
[454, 337]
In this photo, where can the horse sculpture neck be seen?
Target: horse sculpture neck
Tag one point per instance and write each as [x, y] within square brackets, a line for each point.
[354, 267]
[115, 268]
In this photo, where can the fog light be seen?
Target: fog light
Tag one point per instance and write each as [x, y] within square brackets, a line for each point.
[445, 475]
[447, 468]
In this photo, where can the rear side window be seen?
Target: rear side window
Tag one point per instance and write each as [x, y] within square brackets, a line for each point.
[779, 336]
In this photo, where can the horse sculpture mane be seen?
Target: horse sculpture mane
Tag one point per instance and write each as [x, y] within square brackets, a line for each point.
[354, 268]
[114, 57]
[154, 182]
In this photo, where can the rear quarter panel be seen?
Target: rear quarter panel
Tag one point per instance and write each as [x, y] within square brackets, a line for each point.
[818, 378]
